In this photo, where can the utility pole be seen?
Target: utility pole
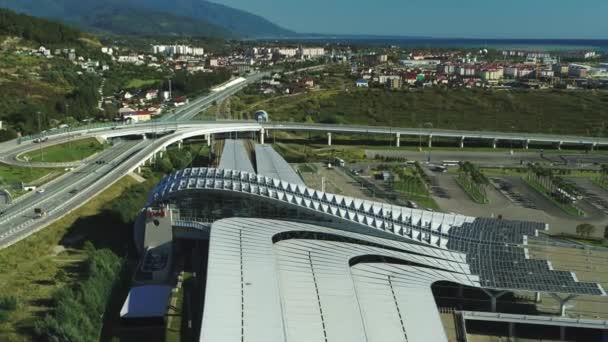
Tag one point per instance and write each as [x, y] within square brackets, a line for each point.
[40, 139]
[67, 114]
[170, 89]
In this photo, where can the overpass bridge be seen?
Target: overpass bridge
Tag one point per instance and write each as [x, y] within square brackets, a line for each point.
[16, 224]
[175, 132]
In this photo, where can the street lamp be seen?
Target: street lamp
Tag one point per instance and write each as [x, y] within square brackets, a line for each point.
[40, 138]
[427, 125]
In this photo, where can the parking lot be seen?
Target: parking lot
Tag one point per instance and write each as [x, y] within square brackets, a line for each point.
[593, 194]
[437, 190]
[506, 188]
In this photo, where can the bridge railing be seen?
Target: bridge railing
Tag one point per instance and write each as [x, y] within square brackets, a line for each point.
[175, 122]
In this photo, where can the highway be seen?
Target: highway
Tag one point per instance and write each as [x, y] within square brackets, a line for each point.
[190, 110]
[64, 194]
[90, 178]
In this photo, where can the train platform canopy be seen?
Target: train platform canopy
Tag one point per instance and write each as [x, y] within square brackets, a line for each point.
[149, 301]
[271, 164]
[235, 157]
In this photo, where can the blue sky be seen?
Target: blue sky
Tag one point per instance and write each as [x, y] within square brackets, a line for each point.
[438, 18]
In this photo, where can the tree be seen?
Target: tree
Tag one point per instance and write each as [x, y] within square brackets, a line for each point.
[604, 173]
[585, 229]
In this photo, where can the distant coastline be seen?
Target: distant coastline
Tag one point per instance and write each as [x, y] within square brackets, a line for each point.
[430, 42]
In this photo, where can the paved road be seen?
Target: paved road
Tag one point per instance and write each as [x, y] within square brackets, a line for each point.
[498, 158]
[62, 194]
[92, 178]
[189, 111]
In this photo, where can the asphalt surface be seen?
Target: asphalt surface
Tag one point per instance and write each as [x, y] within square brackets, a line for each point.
[499, 158]
[91, 178]
[92, 175]
[18, 219]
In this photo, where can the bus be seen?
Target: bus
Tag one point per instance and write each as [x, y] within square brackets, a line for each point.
[451, 163]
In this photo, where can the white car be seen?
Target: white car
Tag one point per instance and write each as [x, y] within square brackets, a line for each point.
[40, 191]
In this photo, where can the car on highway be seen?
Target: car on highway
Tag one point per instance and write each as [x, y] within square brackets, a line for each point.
[40, 191]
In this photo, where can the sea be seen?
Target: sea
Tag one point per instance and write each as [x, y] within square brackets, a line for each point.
[600, 45]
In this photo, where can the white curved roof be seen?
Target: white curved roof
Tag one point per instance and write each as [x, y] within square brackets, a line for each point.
[494, 249]
[295, 288]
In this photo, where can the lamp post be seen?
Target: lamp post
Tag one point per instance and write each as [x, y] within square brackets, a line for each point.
[40, 138]
[429, 125]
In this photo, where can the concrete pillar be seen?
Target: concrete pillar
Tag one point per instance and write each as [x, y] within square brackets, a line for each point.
[262, 136]
[559, 145]
[398, 136]
[511, 329]
[537, 297]
[460, 291]
[160, 154]
[526, 144]
[593, 146]
[143, 137]
[208, 137]
[328, 139]
[562, 302]
[494, 295]
[430, 141]
[494, 142]
[139, 169]
[462, 142]
[179, 144]
[562, 333]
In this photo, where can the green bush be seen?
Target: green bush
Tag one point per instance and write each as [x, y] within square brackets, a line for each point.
[77, 312]
[8, 303]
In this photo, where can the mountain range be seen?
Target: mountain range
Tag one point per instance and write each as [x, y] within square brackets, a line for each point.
[153, 17]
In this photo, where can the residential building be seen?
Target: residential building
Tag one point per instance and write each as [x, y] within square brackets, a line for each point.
[178, 50]
[152, 94]
[287, 52]
[361, 83]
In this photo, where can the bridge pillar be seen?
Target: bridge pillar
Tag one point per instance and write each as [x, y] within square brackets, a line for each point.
[143, 137]
[398, 141]
[494, 295]
[562, 302]
[593, 146]
[559, 145]
[494, 143]
[511, 329]
[262, 132]
[562, 332]
[526, 143]
[462, 142]
[430, 140]
[208, 137]
[179, 144]
[537, 297]
[328, 139]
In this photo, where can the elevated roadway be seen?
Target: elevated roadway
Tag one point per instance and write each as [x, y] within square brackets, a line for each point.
[91, 178]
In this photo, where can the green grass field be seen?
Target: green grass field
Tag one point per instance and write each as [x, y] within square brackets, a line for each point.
[66, 152]
[32, 269]
[13, 174]
[137, 83]
[474, 193]
[558, 112]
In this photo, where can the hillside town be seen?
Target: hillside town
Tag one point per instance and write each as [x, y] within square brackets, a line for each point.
[507, 69]
[391, 68]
